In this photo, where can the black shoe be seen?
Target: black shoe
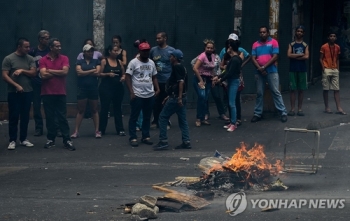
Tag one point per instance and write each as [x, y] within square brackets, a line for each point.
[284, 118]
[147, 141]
[69, 145]
[121, 133]
[255, 119]
[184, 145]
[59, 134]
[38, 133]
[161, 146]
[134, 143]
[49, 144]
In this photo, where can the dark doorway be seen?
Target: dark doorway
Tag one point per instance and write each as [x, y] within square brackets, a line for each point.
[336, 19]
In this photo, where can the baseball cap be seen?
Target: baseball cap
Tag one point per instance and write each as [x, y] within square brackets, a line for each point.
[300, 27]
[144, 46]
[233, 36]
[177, 54]
[87, 47]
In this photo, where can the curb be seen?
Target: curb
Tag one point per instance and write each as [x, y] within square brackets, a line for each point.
[316, 125]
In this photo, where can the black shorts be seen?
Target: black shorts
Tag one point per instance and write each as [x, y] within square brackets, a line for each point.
[87, 94]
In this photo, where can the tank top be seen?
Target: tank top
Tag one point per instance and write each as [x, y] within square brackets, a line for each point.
[120, 55]
[298, 65]
[115, 81]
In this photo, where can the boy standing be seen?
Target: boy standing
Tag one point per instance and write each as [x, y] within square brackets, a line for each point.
[175, 102]
[298, 53]
[329, 60]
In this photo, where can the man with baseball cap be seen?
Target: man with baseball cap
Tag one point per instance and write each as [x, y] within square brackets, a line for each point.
[175, 102]
[143, 86]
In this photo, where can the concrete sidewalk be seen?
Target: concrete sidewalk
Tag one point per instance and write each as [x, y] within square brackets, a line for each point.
[313, 108]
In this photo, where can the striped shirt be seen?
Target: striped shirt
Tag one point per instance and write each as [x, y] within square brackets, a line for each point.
[264, 51]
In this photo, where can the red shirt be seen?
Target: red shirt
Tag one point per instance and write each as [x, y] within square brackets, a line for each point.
[55, 85]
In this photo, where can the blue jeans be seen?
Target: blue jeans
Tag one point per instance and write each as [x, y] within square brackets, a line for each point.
[203, 96]
[215, 93]
[273, 81]
[233, 85]
[171, 107]
[19, 107]
[146, 105]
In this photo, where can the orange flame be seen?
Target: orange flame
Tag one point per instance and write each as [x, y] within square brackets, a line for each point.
[251, 160]
[216, 167]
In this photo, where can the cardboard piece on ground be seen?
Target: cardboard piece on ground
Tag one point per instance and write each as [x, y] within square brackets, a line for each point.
[168, 204]
[193, 201]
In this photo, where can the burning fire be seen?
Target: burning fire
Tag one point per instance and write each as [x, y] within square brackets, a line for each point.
[251, 160]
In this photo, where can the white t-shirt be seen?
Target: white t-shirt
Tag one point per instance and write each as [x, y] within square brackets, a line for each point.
[141, 77]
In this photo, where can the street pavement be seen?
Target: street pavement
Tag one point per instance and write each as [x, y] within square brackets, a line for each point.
[102, 174]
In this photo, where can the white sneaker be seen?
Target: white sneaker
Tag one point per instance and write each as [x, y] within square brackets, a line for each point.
[26, 143]
[12, 145]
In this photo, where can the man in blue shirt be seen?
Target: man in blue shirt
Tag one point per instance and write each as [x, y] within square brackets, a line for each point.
[160, 54]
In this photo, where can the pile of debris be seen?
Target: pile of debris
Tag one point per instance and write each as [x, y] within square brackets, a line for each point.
[246, 169]
[145, 209]
[174, 201]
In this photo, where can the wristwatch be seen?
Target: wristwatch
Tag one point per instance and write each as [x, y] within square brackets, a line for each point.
[263, 67]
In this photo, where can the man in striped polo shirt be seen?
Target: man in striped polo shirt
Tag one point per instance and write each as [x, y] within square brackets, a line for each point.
[264, 56]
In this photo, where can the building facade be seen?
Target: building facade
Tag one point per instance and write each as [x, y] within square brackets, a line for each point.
[187, 23]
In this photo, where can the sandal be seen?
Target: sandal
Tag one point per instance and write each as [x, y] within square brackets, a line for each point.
[75, 135]
[300, 113]
[328, 112]
[205, 122]
[341, 113]
[147, 141]
[291, 113]
[198, 123]
[224, 117]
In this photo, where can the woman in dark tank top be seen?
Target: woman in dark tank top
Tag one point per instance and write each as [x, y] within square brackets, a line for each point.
[111, 90]
[121, 53]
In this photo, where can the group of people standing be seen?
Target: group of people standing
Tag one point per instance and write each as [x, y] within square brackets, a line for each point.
[157, 82]
[264, 57]
[38, 74]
